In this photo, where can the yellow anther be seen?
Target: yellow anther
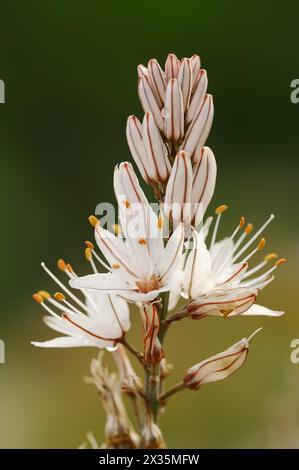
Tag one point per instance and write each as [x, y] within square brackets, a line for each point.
[116, 229]
[59, 296]
[221, 209]
[261, 244]
[142, 241]
[248, 229]
[270, 256]
[38, 298]
[115, 266]
[89, 245]
[61, 264]
[127, 204]
[242, 222]
[88, 254]
[69, 268]
[44, 294]
[160, 223]
[280, 261]
[93, 220]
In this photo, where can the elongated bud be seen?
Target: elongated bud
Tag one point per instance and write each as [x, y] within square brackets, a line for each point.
[174, 112]
[130, 382]
[196, 64]
[197, 97]
[178, 192]
[185, 78]
[203, 186]
[136, 146]
[200, 126]
[158, 164]
[157, 80]
[148, 101]
[172, 65]
[217, 367]
[153, 351]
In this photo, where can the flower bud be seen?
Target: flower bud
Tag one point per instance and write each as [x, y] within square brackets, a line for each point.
[153, 351]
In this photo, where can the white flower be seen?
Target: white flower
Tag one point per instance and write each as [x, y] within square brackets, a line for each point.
[218, 367]
[140, 267]
[217, 280]
[101, 321]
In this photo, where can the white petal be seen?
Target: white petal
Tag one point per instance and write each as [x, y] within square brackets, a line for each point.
[199, 93]
[148, 101]
[177, 204]
[256, 310]
[157, 80]
[62, 342]
[171, 259]
[159, 166]
[134, 138]
[204, 181]
[185, 78]
[198, 267]
[173, 112]
[200, 127]
[171, 66]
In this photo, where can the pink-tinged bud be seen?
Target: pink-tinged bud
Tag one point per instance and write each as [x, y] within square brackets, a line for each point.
[204, 180]
[153, 351]
[218, 367]
[157, 80]
[223, 302]
[200, 127]
[148, 100]
[199, 92]
[177, 206]
[142, 71]
[185, 81]
[172, 65]
[195, 62]
[158, 164]
[134, 139]
[173, 112]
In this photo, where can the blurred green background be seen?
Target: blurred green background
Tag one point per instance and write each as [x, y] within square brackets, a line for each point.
[70, 74]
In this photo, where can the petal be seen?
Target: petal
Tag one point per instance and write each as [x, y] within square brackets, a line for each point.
[63, 342]
[199, 92]
[195, 62]
[134, 139]
[223, 303]
[148, 101]
[203, 186]
[95, 329]
[157, 80]
[185, 81]
[256, 310]
[171, 66]
[173, 112]
[198, 267]
[200, 127]
[171, 259]
[159, 166]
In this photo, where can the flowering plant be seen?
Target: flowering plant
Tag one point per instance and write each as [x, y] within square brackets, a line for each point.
[168, 262]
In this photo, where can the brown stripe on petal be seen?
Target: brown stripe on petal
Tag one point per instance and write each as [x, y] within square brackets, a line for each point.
[66, 317]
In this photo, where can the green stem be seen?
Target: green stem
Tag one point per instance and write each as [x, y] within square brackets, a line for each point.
[163, 315]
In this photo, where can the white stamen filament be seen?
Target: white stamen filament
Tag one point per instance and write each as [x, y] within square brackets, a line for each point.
[100, 260]
[59, 305]
[261, 277]
[216, 226]
[255, 269]
[72, 307]
[254, 237]
[49, 310]
[65, 289]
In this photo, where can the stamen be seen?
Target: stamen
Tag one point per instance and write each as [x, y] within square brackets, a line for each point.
[127, 204]
[255, 236]
[266, 274]
[219, 210]
[271, 256]
[38, 298]
[88, 256]
[160, 223]
[93, 220]
[61, 264]
[142, 241]
[89, 245]
[117, 229]
[259, 266]
[115, 266]
[65, 289]
[61, 298]
[239, 226]
[45, 294]
[260, 246]
[280, 261]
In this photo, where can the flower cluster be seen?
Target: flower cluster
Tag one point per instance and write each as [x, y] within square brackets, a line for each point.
[168, 262]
